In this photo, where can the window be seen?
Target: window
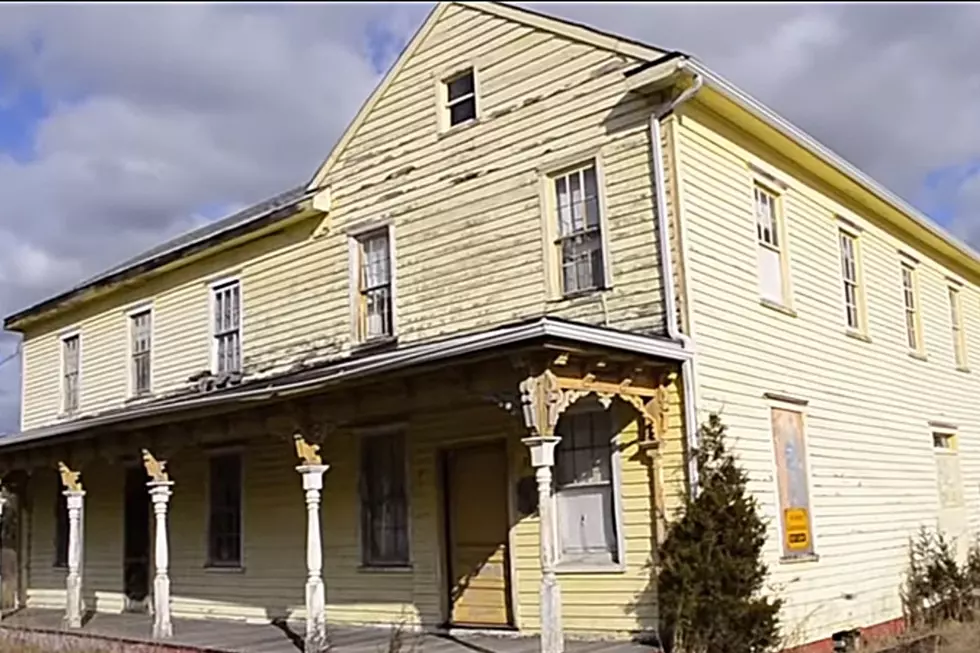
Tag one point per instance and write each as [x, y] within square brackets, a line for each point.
[772, 282]
[792, 482]
[225, 511]
[384, 501]
[70, 367]
[849, 274]
[587, 518]
[374, 296]
[579, 240]
[956, 321]
[912, 319]
[950, 485]
[140, 325]
[227, 327]
[461, 98]
[60, 525]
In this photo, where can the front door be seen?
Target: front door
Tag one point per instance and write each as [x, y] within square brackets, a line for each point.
[136, 540]
[477, 526]
[10, 554]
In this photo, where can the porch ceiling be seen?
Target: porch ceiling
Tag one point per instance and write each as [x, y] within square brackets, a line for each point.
[363, 366]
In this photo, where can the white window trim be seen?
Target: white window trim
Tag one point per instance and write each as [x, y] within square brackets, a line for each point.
[913, 266]
[774, 187]
[441, 95]
[130, 377]
[547, 172]
[789, 403]
[588, 405]
[212, 343]
[359, 435]
[958, 336]
[848, 228]
[354, 283]
[62, 399]
[209, 567]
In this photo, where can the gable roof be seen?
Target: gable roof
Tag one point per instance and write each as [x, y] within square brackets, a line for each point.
[559, 26]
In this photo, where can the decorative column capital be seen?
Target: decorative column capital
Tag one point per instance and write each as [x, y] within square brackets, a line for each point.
[542, 403]
[542, 450]
[312, 476]
[74, 498]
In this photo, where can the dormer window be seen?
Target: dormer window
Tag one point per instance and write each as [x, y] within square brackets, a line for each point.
[460, 90]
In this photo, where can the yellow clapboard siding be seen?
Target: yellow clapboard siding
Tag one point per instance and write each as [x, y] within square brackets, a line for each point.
[872, 476]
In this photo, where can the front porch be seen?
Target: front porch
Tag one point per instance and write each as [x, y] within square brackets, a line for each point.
[287, 637]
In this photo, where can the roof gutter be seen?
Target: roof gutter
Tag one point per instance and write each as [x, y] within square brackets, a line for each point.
[794, 133]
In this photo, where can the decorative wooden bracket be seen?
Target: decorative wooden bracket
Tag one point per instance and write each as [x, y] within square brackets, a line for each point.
[308, 453]
[69, 479]
[155, 469]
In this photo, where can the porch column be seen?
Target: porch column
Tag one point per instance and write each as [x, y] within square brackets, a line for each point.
[543, 402]
[316, 622]
[3, 502]
[160, 496]
[76, 534]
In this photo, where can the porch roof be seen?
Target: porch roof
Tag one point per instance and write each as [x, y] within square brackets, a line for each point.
[363, 365]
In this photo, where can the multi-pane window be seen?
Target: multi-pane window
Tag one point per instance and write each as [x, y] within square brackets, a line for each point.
[141, 344]
[911, 307]
[792, 482]
[849, 274]
[587, 523]
[70, 365]
[374, 285]
[771, 282]
[579, 230]
[384, 501]
[227, 327]
[60, 525]
[461, 98]
[956, 321]
[225, 511]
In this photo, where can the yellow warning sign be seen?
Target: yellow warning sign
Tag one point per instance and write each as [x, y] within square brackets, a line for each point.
[796, 523]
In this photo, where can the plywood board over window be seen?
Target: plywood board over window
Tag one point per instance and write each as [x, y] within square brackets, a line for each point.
[792, 479]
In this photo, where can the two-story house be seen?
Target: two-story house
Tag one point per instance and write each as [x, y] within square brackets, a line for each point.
[452, 380]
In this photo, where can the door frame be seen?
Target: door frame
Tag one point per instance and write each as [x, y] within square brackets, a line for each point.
[129, 605]
[445, 525]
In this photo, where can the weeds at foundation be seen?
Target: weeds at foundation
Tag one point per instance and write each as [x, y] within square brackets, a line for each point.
[400, 640]
[18, 641]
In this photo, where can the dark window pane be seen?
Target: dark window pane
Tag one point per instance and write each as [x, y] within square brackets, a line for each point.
[224, 524]
[60, 526]
[462, 111]
[461, 85]
[384, 513]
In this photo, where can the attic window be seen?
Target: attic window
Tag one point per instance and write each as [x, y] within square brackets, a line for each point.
[461, 98]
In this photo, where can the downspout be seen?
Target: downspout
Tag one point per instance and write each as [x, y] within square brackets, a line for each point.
[688, 384]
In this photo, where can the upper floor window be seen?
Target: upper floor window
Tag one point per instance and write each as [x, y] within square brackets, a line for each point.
[374, 292]
[913, 322]
[71, 347]
[772, 263]
[588, 524]
[580, 240]
[460, 101]
[225, 510]
[226, 328]
[384, 501]
[956, 321]
[850, 274]
[141, 326]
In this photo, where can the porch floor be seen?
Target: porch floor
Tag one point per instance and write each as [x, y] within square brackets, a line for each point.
[236, 637]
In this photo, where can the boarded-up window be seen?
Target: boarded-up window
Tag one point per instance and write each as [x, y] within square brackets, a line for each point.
[792, 480]
[384, 501]
[225, 518]
[947, 470]
[771, 282]
[587, 528]
[60, 525]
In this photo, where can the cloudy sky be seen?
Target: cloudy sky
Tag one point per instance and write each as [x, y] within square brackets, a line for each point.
[123, 125]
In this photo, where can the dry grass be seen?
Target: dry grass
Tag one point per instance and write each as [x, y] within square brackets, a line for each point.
[16, 641]
[952, 637]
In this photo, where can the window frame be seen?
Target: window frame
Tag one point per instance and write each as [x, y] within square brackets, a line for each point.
[799, 406]
[961, 355]
[913, 268]
[362, 435]
[950, 435]
[777, 191]
[357, 317]
[586, 406]
[209, 564]
[131, 316]
[443, 104]
[213, 288]
[846, 230]
[549, 172]
[63, 338]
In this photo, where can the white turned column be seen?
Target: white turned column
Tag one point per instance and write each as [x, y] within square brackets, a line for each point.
[76, 535]
[316, 618]
[543, 459]
[160, 496]
[3, 503]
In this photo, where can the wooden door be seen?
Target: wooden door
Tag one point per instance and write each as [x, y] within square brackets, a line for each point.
[476, 489]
